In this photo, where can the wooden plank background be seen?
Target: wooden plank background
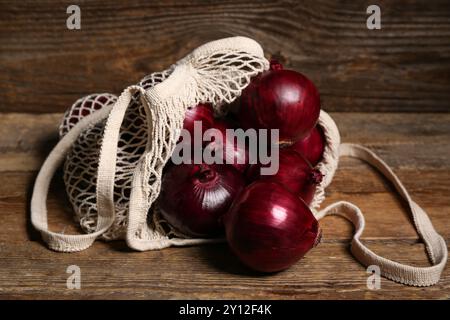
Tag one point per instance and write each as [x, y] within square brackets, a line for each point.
[387, 89]
[405, 66]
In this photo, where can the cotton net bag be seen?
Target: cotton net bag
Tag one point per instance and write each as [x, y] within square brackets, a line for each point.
[114, 149]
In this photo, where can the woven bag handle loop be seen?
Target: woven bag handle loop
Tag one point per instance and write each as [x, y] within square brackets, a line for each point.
[60, 241]
[435, 244]
[105, 179]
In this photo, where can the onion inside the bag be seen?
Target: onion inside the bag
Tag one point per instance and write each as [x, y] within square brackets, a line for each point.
[232, 152]
[280, 99]
[295, 173]
[203, 113]
[312, 146]
[194, 197]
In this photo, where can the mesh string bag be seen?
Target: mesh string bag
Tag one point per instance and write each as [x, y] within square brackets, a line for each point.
[113, 151]
[80, 167]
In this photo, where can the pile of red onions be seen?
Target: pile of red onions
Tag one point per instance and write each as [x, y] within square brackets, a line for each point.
[265, 218]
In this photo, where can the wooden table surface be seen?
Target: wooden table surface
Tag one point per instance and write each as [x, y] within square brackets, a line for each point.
[387, 89]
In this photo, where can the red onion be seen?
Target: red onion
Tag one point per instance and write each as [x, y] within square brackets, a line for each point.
[202, 112]
[194, 197]
[233, 153]
[269, 228]
[295, 173]
[281, 99]
[312, 146]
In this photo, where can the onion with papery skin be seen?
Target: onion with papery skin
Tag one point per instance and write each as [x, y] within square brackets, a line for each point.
[269, 228]
[280, 99]
[194, 197]
[295, 173]
[233, 153]
[202, 112]
[312, 146]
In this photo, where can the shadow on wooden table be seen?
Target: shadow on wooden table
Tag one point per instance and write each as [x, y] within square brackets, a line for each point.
[219, 256]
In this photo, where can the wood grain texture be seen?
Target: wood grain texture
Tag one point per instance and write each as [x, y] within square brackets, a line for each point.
[417, 146]
[204, 272]
[405, 66]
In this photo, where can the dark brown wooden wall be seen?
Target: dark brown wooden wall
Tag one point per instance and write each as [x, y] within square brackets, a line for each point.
[405, 66]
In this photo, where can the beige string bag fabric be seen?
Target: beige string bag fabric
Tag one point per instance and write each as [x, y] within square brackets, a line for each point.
[114, 150]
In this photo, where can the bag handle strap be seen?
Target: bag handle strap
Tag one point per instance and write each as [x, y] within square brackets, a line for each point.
[105, 177]
[435, 244]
